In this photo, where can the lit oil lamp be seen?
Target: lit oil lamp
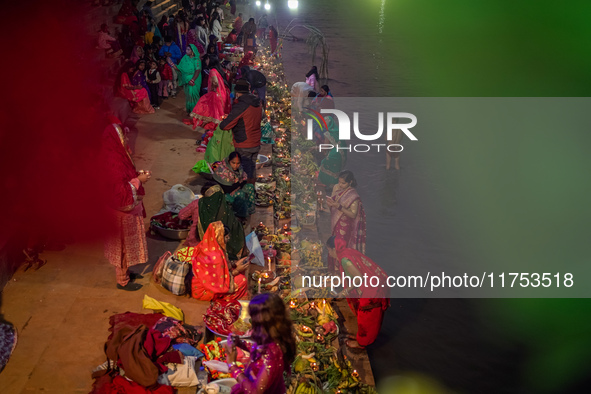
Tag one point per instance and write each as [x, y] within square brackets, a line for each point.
[314, 366]
[319, 338]
[292, 304]
[355, 374]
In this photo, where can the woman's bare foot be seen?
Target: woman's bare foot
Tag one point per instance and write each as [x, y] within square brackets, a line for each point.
[353, 344]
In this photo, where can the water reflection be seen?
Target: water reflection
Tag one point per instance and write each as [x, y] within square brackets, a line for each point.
[382, 17]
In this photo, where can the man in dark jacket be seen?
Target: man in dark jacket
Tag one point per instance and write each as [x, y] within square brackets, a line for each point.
[257, 81]
[245, 122]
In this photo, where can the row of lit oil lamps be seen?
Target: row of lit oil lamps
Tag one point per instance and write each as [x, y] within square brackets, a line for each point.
[292, 304]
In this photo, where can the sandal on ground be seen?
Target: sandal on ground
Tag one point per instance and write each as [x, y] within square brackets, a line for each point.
[39, 263]
[351, 345]
[134, 276]
[130, 286]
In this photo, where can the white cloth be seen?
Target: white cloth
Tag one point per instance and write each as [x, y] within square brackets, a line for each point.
[180, 375]
[176, 198]
[253, 245]
[299, 94]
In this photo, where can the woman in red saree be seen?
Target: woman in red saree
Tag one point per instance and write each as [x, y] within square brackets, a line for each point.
[367, 302]
[127, 246]
[347, 215]
[213, 105]
[214, 276]
[247, 60]
[136, 95]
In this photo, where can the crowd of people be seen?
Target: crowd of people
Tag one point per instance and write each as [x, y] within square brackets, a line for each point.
[188, 57]
[183, 50]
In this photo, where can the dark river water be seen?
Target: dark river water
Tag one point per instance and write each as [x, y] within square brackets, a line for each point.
[432, 214]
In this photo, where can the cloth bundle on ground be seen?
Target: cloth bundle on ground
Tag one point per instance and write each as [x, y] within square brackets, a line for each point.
[176, 198]
[178, 332]
[169, 220]
[143, 346]
[220, 316]
[136, 351]
[181, 375]
[213, 351]
[164, 307]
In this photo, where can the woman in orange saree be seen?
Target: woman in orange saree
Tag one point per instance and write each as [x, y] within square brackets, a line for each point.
[136, 95]
[213, 105]
[347, 215]
[214, 276]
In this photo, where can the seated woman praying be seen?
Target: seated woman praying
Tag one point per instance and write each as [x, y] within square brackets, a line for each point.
[213, 207]
[273, 352]
[135, 93]
[233, 180]
[324, 99]
[215, 277]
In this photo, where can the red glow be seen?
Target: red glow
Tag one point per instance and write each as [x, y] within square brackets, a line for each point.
[52, 122]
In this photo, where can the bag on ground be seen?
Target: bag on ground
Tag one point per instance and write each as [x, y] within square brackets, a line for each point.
[159, 267]
[174, 274]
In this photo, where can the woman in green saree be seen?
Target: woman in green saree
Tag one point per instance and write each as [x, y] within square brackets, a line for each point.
[334, 162]
[190, 76]
[220, 146]
[233, 180]
[213, 207]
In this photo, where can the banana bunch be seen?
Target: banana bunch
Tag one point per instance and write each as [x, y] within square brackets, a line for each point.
[306, 388]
